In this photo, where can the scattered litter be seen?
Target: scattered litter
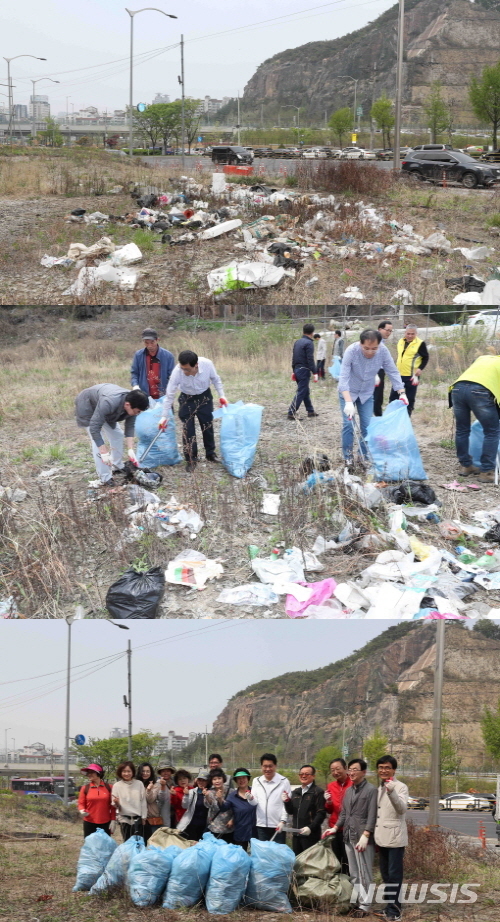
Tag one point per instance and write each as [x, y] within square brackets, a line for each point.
[220, 229]
[192, 568]
[136, 595]
[353, 294]
[481, 252]
[249, 594]
[412, 491]
[8, 608]
[236, 275]
[271, 503]
[450, 531]
[45, 475]
[466, 283]
[402, 297]
[322, 544]
[13, 495]
[318, 594]
[287, 569]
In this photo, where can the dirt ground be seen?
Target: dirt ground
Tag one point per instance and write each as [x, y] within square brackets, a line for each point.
[37, 876]
[32, 225]
[61, 544]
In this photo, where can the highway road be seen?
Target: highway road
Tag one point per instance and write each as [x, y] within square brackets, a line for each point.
[461, 822]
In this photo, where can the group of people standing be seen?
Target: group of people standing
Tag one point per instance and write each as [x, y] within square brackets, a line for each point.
[235, 809]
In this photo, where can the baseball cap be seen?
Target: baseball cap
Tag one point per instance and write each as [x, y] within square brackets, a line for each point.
[149, 333]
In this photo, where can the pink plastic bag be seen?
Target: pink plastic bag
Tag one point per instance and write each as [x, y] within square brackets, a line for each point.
[320, 592]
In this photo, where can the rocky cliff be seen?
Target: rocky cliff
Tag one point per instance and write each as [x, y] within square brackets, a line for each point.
[447, 41]
[389, 684]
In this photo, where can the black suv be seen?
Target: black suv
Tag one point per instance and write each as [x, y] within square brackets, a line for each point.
[231, 154]
[450, 165]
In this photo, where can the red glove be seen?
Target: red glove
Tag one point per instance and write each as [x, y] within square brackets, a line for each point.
[222, 402]
[293, 376]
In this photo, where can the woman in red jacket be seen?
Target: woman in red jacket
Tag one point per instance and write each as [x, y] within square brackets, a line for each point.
[94, 801]
[181, 777]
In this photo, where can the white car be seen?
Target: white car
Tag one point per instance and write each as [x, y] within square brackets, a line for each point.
[464, 802]
[359, 153]
[489, 319]
[314, 154]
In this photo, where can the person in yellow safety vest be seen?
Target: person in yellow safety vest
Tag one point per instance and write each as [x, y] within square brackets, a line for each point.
[477, 391]
[413, 356]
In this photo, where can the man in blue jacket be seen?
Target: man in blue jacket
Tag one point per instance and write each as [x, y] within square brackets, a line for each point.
[152, 366]
[303, 366]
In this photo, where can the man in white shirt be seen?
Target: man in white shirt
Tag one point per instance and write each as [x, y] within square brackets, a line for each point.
[193, 376]
[320, 355]
[267, 791]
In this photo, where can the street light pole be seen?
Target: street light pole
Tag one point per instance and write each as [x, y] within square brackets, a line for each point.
[7, 747]
[348, 77]
[33, 119]
[399, 86]
[435, 785]
[344, 714]
[129, 693]
[133, 13]
[9, 83]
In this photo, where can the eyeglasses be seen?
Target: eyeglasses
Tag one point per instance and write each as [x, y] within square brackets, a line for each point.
[304, 774]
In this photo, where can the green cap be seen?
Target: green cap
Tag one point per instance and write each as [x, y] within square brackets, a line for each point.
[241, 775]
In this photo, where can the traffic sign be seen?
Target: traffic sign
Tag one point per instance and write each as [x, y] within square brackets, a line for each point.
[359, 110]
[141, 107]
[200, 137]
[354, 138]
[80, 739]
[344, 751]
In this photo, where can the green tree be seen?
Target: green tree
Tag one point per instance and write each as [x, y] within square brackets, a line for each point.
[324, 757]
[51, 135]
[490, 725]
[341, 122]
[110, 752]
[148, 124]
[382, 112]
[437, 111]
[488, 628]
[374, 747]
[484, 95]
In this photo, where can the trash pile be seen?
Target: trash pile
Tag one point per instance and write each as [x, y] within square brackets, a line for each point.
[148, 514]
[181, 874]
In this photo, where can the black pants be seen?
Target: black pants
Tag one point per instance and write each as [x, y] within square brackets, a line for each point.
[303, 376]
[201, 407]
[226, 836]
[378, 394]
[132, 829]
[391, 870]
[265, 834]
[321, 367]
[149, 830]
[194, 832]
[89, 828]
[338, 849]
[243, 845]
[410, 391]
[300, 843]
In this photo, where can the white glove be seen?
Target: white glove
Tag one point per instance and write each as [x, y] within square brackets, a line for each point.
[83, 812]
[404, 399]
[305, 831]
[279, 827]
[112, 826]
[389, 786]
[285, 797]
[163, 423]
[362, 843]
[327, 796]
[315, 379]
[349, 409]
[377, 380]
[106, 458]
[136, 387]
[415, 379]
[329, 832]
[131, 454]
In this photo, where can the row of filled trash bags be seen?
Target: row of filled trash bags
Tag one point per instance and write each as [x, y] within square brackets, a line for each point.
[239, 435]
[183, 873]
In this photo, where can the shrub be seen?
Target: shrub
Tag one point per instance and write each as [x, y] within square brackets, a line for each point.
[344, 176]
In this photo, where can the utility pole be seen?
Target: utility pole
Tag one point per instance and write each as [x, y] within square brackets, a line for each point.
[374, 80]
[435, 787]
[183, 97]
[129, 698]
[206, 745]
[399, 85]
[69, 621]
[238, 125]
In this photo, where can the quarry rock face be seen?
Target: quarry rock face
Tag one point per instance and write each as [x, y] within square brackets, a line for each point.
[392, 688]
[448, 42]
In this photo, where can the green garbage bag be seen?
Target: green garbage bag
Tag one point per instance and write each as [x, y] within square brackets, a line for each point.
[318, 881]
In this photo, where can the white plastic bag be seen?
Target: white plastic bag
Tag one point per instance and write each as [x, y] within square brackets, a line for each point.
[286, 569]
[237, 275]
[249, 594]
[220, 229]
[126, 255]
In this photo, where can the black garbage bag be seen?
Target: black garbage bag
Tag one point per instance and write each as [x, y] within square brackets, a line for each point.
[147, 201]
[493, 534]
[136, 595]
[413, 491]
[465, 283]
[143, 476]
[283, 256]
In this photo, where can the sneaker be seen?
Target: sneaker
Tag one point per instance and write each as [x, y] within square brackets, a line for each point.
[190, 467]
[109, 483]
[292, 416]
[486, 477]
[464, 471]
[213, 458]
[310, 415]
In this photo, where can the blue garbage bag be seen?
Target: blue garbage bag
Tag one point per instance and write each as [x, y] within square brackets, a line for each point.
[94, 855]
[271, 869]
[335, 367]
[148, 874]
[392, 445]
[239, 435]
[165, 450]
[189, 876]
[228, 879]
[117, 867]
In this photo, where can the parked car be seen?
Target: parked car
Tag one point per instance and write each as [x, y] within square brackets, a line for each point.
[489, 319]
[231, 154]
[358, 153]
[433, 147]
[314, 153]
[207, 152]
[464, 802]
[452, 165]
[418, 803]
[387, 153]
[262, 152]
[491, 156]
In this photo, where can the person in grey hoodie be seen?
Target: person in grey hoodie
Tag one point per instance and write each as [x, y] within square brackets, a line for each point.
[99, 409]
